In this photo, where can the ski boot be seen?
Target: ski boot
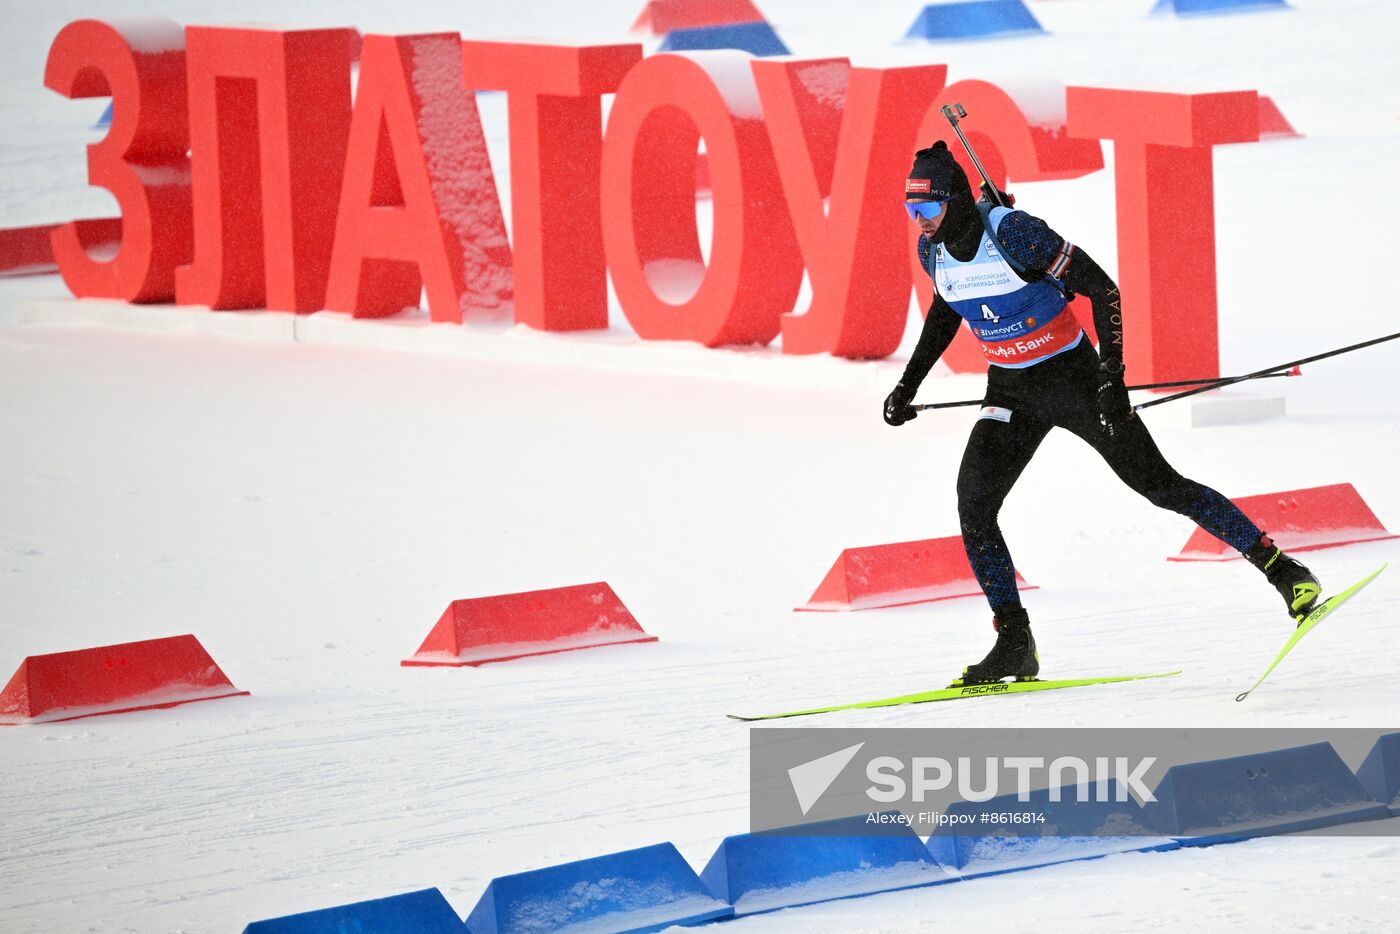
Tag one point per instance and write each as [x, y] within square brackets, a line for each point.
[1300, 589]
[1014, 655]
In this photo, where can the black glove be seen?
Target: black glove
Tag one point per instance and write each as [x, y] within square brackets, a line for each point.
[1115, 413]
[897, 407]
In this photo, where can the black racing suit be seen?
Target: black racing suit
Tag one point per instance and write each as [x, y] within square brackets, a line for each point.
[1057, 392]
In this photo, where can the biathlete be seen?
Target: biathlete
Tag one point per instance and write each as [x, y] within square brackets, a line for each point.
[1043, 374]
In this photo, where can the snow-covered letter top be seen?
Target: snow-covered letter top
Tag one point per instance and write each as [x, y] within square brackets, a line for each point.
[1017, 323]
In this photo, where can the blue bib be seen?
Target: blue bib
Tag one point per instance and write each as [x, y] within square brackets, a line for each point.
[1017, 323]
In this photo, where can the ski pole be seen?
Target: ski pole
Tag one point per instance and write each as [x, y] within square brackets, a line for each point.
[953, 112]
[926, 406]
[1265, 372]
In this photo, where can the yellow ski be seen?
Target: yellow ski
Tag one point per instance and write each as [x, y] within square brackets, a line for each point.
[1319, 613]
[958, 693]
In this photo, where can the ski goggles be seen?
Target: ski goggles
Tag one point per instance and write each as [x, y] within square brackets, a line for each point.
[925, 209]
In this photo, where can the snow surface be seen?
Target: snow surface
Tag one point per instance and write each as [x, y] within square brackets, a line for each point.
[307, 509]
[168, 695]
[826, 82]
[1040, 100]
[149, 35]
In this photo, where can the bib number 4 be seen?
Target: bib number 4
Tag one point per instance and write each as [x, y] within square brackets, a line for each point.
[987, 314]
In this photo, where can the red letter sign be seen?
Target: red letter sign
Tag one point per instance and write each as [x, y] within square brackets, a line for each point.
[1166, 217]
[269, 115]
[142, 161]
[419, 208]
[556, 147]
[854, 252]
[663, 108]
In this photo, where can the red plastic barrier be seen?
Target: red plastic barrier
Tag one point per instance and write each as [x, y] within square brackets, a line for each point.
[112, 679]
[898, 575]
[1013, 148]
[419, 209]
[854, 247]
[661, 16]
[269, 117]
[1297, 520]
[1166, 216]
[664, 106]
[518, 625]
[554, 96]
[1272, 122]
[140, 64]
[26, 251]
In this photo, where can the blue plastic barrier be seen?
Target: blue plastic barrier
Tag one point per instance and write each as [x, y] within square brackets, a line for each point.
[1282, 791]
[1197, 7]
[423, 912]
[828, 860]
[974, 19]
[633, 892]
[757, 38]
[1073, 829]
[1380, 772]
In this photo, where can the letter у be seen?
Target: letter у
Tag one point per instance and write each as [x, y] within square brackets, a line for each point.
[853, 250]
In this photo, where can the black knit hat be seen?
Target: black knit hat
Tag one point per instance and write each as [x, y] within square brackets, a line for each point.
[936, 174]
